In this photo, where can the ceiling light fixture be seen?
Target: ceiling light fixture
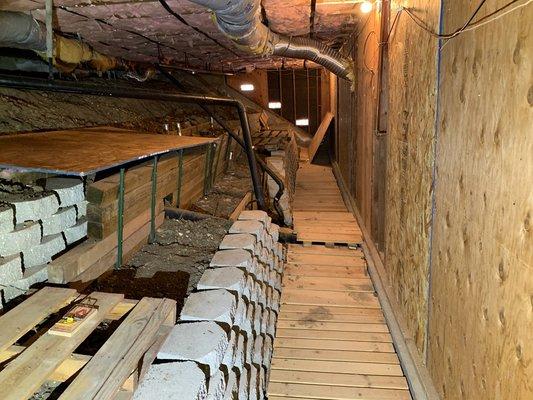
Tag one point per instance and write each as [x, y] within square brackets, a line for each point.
[366, 7]
[302, 122]
[274, 105]
[247, 87]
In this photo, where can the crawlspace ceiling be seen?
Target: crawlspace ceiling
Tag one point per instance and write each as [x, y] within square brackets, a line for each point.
[142, 30]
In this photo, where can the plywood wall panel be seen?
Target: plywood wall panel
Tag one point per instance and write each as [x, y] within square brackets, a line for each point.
[412, 91]
[481, 326]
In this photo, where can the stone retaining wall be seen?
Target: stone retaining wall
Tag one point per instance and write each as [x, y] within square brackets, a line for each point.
[221, 347]
[35, 225]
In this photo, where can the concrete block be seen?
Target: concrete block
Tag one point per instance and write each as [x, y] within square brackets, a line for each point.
[10, 269]
[216, 386]
[229, 356]
[271, 326]
[265, 318]
[244, 241]
[233, 258]
[203, 342]
[43, 253]
[267, 351]
[210, 305]
[239, 352]
[7, 219]
[24, 236]
[262, 383]
[253, 292]
[243, 384]
[248, 350]
[14, 290]
[245, 324]
[262, 290]
[35, 275]
[230, 278]
[232, 386]
[257, 215]
[274, 302]
[56, 223]
[240, 313]
[257, 356]
[81, 209]
[274, 232]
[35, 209]
[258, 315]
[253, 391]
[269, 243]
[248, 287]
[69, 190]
[171, 381]
[76, 232]
[255, 228]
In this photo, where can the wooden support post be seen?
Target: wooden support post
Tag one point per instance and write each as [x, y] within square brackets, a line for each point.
[153, 200]
[120, 219]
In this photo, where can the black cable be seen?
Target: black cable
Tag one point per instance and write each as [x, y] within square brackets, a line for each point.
[422, 24]
[182, 20]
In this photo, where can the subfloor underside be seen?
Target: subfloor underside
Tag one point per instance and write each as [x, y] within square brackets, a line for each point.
[332, 340]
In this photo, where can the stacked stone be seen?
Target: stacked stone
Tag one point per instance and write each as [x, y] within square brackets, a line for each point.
[35, 225]
[226, 328]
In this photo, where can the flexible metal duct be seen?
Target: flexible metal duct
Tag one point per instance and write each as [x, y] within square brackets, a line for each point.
[21, 31]
[240, 20]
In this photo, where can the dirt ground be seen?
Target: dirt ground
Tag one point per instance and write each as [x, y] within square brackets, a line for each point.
[227, 192]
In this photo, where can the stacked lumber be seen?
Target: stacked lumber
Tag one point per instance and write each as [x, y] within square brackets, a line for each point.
[95, 256]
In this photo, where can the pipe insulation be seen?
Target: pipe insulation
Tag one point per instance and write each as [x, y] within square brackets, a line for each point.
[22, 31]
[240, 20]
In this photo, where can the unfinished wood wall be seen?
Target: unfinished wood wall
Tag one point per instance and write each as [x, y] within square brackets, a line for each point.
[458, 204]
[481, 321]
[411, 131]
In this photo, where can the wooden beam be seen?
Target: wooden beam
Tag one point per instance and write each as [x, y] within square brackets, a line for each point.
[319, 135]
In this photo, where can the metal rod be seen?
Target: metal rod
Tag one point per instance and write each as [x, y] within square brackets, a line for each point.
[120, 218]
[153, 200]
[17, 82]
[180, 177]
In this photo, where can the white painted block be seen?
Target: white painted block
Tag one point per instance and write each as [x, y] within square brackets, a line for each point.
[240, 313]
[172, 381]
[76, 232]
[56, 223]
[265, 318]
[274, 232]
[43, 253]
[35, 275]
[232, 386]
[24, 236]
[253, 391]
[69, 190]
[257, 357]
[267, 351]
[239, 352]
[271, 326]
[81, 209]
[229, 356]
[10, 269]
[203, 342]
[257, 215]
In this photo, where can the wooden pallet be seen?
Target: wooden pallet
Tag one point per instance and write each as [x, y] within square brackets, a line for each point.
[111, 373]
[332, 341]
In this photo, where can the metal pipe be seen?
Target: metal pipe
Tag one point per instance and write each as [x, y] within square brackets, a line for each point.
[75, 88]
[240, 20]
[240, 142]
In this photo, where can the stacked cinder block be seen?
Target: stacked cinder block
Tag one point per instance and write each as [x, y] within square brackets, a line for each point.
[35, 225]
[226, 328]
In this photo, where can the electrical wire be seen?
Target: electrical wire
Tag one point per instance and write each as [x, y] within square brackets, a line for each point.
[468, 25]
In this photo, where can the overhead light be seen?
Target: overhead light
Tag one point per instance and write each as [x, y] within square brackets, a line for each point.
[274, 105]
[302, 122]
[247, 87]
[366, 7]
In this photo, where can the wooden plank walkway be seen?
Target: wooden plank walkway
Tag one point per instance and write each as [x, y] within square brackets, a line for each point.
[320, 215]
[332, 341]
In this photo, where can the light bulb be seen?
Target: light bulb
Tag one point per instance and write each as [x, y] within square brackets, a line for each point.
[366, 7]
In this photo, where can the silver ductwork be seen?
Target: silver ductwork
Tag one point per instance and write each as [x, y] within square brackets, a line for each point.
[240, 20]
[21, 31]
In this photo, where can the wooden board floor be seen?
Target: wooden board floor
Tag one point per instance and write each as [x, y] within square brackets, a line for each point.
[319, 212]
[332, 341]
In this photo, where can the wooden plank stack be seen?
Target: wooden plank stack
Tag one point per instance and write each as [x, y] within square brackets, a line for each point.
[93, 257]
[116, 368]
